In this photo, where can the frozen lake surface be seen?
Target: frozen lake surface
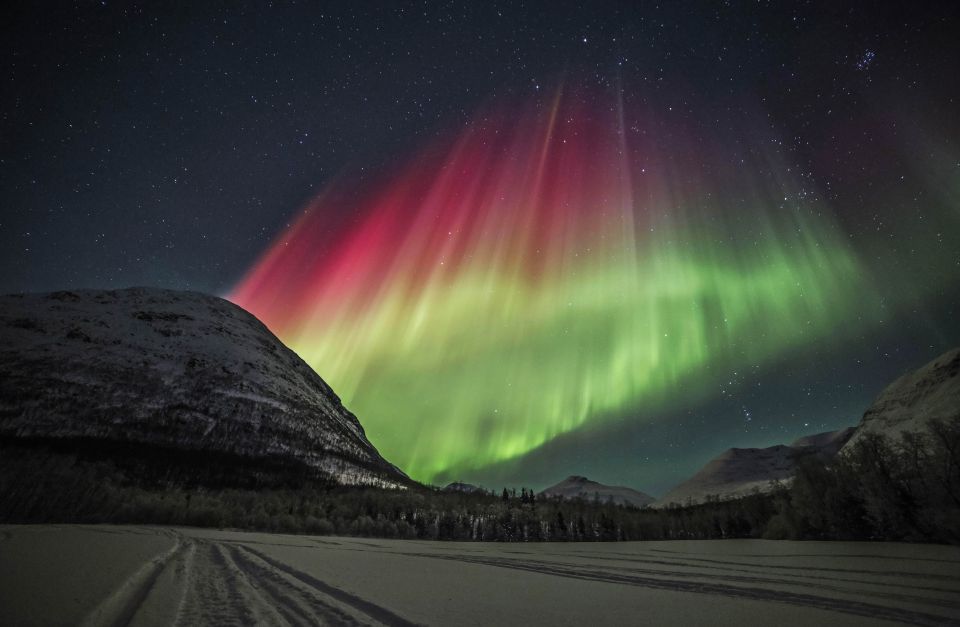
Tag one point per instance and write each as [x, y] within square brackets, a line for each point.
[111, 575]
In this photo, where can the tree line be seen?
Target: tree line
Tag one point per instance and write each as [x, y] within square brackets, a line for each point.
[905, 488]
[882, 489]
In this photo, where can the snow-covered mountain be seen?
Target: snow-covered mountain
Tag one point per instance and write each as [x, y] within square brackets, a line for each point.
[740, 471]
[460, 486]
[931, 392]
[576, 486]
[827, 444]
[183, 373]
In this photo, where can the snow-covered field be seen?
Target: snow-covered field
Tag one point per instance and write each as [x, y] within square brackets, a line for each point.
[65, 574]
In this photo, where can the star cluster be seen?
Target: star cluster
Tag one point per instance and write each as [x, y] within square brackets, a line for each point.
[187, 146]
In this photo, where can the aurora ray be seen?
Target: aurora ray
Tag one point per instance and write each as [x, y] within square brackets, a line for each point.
[556, 263]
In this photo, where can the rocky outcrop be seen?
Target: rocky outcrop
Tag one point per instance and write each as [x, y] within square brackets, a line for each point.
[186, 376]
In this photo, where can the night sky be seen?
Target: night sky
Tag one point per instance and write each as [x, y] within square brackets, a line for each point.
[520, 240]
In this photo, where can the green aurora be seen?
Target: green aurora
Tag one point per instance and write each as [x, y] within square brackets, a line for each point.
[546, 271]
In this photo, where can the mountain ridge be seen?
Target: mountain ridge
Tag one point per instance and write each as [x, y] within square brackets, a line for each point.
[930, 392]
[741, 471]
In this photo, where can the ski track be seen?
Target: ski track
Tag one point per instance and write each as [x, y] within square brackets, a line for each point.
[210, 582]
[831, 598]
[232, 580]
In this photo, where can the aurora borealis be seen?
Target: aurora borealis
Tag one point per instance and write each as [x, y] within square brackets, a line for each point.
[519, 240]
[545, 268]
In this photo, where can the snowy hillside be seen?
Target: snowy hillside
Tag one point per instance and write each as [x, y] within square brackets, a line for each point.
[740, 471]
[178, 371]
[931, 392]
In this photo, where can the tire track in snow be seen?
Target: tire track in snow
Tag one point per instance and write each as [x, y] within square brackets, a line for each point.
[662, 582]
[378, 613]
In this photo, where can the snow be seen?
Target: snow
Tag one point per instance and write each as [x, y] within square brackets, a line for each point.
[154, 575]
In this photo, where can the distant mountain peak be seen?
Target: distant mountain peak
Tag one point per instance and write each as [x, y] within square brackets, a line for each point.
[460, 486]
[578, 486]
